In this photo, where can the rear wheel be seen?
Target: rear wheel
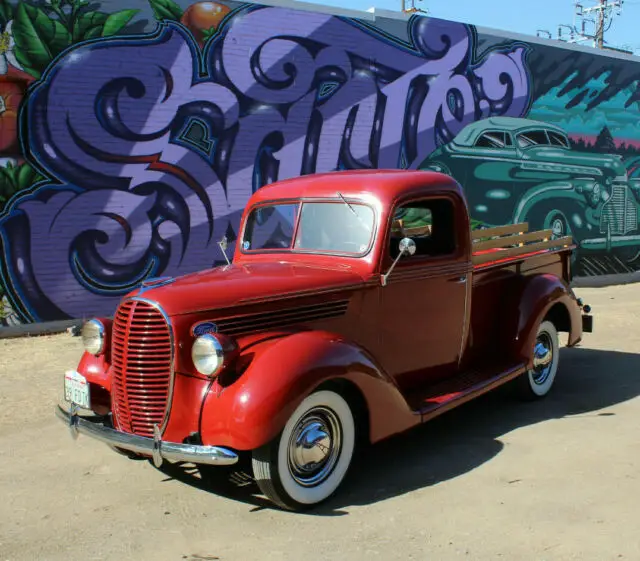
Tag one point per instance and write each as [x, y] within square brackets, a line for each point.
[306, 463]
[537, 382]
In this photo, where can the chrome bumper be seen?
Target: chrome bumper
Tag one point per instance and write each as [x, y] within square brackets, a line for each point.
[153, 447]
[610, 242]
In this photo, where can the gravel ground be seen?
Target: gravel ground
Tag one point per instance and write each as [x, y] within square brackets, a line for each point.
[495, 479]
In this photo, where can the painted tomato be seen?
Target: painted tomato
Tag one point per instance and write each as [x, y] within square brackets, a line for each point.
[202, 17]
[11, 94]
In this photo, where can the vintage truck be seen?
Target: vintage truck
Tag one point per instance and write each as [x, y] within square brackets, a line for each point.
[358, 305]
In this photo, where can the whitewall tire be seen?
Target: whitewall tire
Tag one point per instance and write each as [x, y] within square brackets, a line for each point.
[537, 382]
[306, 463]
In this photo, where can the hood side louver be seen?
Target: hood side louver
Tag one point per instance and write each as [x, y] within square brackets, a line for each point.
[282, 318]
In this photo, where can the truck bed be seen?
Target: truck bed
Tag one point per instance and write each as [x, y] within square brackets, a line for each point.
[503, 245]
[502, 258]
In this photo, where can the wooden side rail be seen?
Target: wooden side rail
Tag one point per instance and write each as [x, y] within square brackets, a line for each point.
[518, 239]
[518, 247]
[522, 228]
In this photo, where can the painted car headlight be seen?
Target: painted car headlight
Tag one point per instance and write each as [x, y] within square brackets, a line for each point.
[93, 336]
[207, 354]
[592, 192]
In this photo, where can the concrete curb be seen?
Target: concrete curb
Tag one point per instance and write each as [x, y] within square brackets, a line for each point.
[37, 329]
[602, 281]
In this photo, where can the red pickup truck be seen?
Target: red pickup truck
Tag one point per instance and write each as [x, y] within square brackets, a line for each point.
[359, 304]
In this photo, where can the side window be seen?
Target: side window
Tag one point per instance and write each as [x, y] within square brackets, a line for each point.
[430, 223]
[532, 138]
[558, 139]
[494, 140]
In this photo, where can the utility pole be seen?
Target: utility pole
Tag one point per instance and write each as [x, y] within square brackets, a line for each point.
[584, 15]
[413, 8]
[599, 36]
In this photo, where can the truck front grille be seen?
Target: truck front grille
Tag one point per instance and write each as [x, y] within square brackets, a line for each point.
[619, 214]
[141, 363]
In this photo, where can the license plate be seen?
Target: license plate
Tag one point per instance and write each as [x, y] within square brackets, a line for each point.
[76, 389]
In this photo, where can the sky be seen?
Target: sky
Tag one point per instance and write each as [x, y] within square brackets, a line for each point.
[520, 16]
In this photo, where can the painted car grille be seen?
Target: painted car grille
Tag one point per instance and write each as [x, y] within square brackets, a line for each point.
[619, 214]
[141, 362]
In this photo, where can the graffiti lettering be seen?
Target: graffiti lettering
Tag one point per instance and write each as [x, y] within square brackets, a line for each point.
[155, 151]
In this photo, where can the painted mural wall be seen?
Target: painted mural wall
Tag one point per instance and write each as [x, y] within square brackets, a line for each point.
[132, 134]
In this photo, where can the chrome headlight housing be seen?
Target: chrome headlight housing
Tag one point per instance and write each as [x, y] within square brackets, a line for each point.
[207, 354]
[93, 336]
[592, 191]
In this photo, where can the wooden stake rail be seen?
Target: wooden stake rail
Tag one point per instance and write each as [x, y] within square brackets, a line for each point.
[511, 241]
[500, 231]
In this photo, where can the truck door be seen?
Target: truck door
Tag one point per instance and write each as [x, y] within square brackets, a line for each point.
[424, 306]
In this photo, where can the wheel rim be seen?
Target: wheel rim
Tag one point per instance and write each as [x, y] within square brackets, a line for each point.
[542, 359]
[314, 447]
[557, 227]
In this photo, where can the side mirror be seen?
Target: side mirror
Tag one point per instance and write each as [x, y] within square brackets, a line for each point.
[223, 244]
[406, 247]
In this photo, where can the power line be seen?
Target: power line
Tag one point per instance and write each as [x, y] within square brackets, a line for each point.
[412, 9]
[598, 18]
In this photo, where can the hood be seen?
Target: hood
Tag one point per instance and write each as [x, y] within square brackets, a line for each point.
[559, 156]
[236, 285]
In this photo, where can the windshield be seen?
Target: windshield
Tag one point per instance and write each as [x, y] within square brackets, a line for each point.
[330, 227]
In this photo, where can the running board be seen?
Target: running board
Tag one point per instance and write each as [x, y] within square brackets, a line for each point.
[450, 393]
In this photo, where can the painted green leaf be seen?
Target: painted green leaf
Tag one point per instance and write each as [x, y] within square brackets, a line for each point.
[115, 22]
[6, 13]
[94, 32]
[27, 176]
[38, 38]
[165, 9]
[208, 33]
[87, 21]
[7, 182]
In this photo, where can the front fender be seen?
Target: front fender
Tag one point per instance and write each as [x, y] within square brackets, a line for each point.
[251, 411]
[551, 193]
[540, 296]
[95, 369]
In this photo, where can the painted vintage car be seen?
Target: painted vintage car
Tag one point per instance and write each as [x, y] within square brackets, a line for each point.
[520, 170]
[357, 305]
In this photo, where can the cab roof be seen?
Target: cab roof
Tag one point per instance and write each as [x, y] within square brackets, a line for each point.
[385, 185]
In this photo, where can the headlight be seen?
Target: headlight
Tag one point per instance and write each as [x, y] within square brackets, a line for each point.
[93, 334]
[595, 194]
[207, 354]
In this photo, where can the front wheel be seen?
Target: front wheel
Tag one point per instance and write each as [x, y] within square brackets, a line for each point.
[537, 382]
[306, 463]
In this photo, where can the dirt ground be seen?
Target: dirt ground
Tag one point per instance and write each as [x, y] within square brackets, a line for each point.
[495, 479]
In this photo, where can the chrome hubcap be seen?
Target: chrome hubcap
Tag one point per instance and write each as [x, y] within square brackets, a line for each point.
[542, 359]
[314, 447]
[557, 228]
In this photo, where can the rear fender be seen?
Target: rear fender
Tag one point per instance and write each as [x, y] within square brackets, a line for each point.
[545, 296]
[252, 410]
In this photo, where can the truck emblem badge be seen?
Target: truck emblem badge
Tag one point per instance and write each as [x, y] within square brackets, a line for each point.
[205, 327]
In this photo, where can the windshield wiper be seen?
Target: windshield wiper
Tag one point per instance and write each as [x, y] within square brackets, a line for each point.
[353, 210]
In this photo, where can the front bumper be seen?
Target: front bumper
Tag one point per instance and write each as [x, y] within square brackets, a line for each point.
[153, 447]
[610, 242]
